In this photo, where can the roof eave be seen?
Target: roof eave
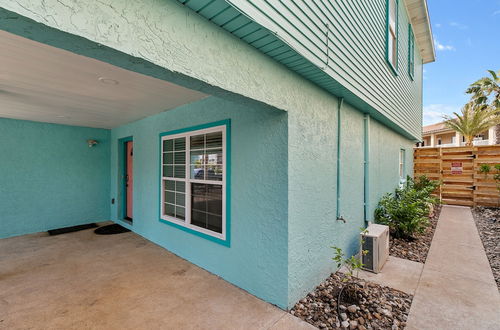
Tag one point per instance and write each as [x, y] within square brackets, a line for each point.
[418, 13]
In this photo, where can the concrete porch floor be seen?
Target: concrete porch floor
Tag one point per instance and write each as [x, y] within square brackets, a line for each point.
[86, 281]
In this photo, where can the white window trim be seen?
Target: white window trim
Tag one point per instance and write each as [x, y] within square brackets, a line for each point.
[402, 155]
[392, 34]
[188, 181]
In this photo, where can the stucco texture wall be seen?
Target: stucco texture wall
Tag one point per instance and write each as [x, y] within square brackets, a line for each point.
[257, 258]
[384, 162]
[313, 227]
[50, 178]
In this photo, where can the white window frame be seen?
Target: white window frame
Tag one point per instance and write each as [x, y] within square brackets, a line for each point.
[402, 155]
[392, 34]
[187, 222]
[411, 52]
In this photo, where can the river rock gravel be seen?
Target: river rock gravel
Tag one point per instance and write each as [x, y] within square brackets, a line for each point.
[375, 307]
[416, 249]
[488, 225]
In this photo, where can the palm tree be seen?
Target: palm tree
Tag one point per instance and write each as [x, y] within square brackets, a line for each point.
[486, 91]
[474, 119]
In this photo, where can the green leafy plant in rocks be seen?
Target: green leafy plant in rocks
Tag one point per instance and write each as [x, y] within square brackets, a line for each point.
[406, 211]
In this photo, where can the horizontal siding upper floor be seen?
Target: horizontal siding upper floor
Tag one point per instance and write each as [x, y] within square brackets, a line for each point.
[345, 39]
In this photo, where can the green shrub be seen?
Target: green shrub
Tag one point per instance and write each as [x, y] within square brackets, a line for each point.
[406, 211]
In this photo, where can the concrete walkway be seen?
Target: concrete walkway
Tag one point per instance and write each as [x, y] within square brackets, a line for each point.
[456, 289]
[85, 281]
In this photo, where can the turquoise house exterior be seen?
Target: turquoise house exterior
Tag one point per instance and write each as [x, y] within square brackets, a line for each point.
[256, 126]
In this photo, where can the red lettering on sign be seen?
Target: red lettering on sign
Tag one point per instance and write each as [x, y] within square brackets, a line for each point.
[456, 168]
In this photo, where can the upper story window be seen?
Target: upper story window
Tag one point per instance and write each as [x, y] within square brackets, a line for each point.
[411, 52]
[193, 180]
[392, 33]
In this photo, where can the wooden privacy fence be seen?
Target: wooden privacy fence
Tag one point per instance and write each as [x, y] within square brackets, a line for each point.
[458, 169]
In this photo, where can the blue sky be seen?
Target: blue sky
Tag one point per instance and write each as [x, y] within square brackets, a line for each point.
[467, 43]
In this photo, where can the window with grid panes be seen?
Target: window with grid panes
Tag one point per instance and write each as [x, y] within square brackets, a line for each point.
[193, 180]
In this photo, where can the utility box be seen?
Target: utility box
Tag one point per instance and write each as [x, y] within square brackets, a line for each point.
[376, 241]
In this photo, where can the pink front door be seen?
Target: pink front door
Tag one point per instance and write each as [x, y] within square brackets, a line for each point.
[129, 179]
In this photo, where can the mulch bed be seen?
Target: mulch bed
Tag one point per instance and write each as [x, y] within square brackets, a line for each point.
[488, 225]
[415, 249]
[371, 307]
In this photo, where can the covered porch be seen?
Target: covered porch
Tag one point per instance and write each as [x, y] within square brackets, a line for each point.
[86, 281]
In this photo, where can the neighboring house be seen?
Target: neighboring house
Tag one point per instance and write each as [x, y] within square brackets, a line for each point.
[438, 135]
[234, 134]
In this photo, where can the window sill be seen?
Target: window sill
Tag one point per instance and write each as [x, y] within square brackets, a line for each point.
[221, 241]
[391, 66]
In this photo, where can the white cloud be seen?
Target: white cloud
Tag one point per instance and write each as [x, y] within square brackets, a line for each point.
[440, 46]
[433, 113]
[496, 12]
[459, 26]
[438, 25]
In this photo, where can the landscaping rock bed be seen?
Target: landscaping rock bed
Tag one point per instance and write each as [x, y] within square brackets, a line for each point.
[416, 249]
[488, 224]
[376, 307]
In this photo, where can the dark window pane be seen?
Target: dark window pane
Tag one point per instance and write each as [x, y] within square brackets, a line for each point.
[168, 158]
[180, 158]
[180, 171]
[180, 186]
[214, 223]
[199, 203]
[169, 185]
[180, 199]
[214, 140]
[168, 171]
[168, 145]
[180, 144]
[198, 141]
[214, 199]
[170, 197]
[169, 210]
[180, 213]
[199, 219]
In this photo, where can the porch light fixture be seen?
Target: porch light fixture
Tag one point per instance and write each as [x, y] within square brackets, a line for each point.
[108, 81]
[92, 143]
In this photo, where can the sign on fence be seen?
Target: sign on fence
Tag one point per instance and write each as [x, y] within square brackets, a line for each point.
[457, 168]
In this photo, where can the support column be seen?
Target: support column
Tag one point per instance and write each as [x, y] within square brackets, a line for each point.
[492, 135]
[458, 139]
[433, 140]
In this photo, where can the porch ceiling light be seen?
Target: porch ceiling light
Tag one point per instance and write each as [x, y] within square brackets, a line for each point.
[108, 81]
[92, 143]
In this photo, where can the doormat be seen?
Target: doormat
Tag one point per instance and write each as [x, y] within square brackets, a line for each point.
[71, 229]
[111, 230]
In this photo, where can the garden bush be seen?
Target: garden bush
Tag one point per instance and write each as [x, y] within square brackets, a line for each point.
[406, 211]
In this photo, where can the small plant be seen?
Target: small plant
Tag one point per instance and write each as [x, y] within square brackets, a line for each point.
[406, 211]
[496, 177]
[352, 266]
[485, 169]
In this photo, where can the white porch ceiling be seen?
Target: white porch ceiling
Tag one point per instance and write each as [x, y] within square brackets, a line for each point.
[43, 83]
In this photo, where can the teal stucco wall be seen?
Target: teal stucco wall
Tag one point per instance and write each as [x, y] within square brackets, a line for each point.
[50, 178]
[384, 162]
[313, 227]
[257, 257]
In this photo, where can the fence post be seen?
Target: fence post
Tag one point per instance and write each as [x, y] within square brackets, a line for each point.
[474, 177]
[440, 173]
